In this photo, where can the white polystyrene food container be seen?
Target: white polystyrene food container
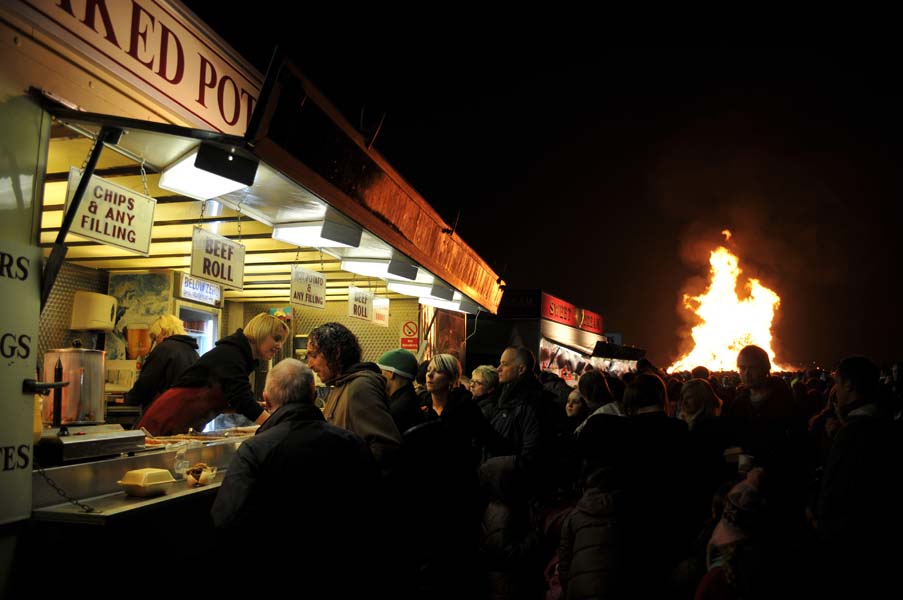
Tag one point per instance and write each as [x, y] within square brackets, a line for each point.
[146, 482]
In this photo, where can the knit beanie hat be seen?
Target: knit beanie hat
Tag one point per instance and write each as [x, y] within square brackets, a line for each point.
[401, 362]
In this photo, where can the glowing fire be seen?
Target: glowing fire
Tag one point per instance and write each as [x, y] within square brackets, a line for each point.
[728, 323]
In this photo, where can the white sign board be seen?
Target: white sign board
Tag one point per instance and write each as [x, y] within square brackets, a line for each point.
[200, 291]
[360, 303]
[112, 214]
[218, 259]
[308, 288]
[159, 49]
[20, 288]
[381, 311]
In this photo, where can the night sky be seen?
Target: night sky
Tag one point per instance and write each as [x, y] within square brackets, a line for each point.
[605, 176]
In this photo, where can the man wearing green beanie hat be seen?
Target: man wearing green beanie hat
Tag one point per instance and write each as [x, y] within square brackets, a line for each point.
[399, 367]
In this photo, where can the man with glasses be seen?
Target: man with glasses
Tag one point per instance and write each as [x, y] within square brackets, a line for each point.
[484, 387]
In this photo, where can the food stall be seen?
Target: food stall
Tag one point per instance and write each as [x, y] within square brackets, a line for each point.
[102, 103]
[565, 339]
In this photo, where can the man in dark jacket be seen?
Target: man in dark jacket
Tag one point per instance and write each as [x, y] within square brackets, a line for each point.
[306, 480]
[516, 419]
[858, 508]
[399, 367]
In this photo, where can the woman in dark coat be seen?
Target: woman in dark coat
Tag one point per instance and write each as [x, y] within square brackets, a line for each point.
[484, 387]
[218, 381]
[452, 438]
[173, 353]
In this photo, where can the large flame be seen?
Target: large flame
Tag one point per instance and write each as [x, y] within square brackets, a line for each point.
[728, 323]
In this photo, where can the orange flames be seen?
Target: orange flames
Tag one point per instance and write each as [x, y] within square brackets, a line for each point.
[728, 322]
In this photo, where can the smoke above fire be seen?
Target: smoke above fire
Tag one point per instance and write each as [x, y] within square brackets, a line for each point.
[728, 322]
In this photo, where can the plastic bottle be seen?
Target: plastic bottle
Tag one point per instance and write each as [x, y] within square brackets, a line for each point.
[180, 465]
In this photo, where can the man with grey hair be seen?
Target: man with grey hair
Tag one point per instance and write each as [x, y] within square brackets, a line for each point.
[303, 478]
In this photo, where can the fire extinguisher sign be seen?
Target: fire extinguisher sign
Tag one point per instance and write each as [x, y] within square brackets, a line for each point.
[409, 339]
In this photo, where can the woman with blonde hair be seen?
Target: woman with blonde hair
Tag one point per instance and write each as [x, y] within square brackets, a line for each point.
[172, 354]
[451, 441]
[218, 381]
[697, 402]
[452, 404]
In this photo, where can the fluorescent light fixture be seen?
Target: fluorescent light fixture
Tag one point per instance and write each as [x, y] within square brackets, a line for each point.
[469, 306]
[368, 267]
[422, 292]
[443, 292]
[317, 234]
[460, 303]
[209, 171]
[437, 303]
[418, 290]
[380, 267]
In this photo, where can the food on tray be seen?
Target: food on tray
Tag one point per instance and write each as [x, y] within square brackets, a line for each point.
[200, 474]
[146, 482]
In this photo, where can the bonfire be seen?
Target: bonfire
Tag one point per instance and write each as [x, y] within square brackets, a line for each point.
[728, 322]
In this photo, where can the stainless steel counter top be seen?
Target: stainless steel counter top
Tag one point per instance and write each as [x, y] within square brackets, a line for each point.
[109, 506]
[95, 483]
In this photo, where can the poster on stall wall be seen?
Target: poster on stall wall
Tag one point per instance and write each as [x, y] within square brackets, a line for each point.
[564, 362]
[20, 287]
[218, 259]
[360, 304]
[112, 214]
[308, 288]
[381, 311]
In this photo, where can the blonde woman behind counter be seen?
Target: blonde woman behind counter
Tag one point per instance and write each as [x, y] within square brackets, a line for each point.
[218, 381]
[173, 353]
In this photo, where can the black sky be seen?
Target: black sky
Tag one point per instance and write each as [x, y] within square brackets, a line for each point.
[605, 175]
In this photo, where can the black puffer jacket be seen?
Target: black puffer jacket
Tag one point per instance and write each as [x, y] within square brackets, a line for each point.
[302, 479]
[516, 418]
[590, 552]
[166, 362]
[509, 546]
[296, 455]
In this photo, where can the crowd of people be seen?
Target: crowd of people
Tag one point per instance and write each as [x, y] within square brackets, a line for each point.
[416, 481]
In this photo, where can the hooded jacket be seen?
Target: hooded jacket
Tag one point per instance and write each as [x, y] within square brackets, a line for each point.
[590, 552]
[357, 402]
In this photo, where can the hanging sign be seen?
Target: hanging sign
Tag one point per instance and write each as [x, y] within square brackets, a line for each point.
[308, 288]
[381, 311]
[360, 303]
[112, 214]
[218, 259]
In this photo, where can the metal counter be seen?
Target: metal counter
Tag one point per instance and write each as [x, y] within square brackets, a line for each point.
[112, 505]
[95, 484]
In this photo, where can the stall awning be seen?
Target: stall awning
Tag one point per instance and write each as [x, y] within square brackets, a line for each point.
[311, 178]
